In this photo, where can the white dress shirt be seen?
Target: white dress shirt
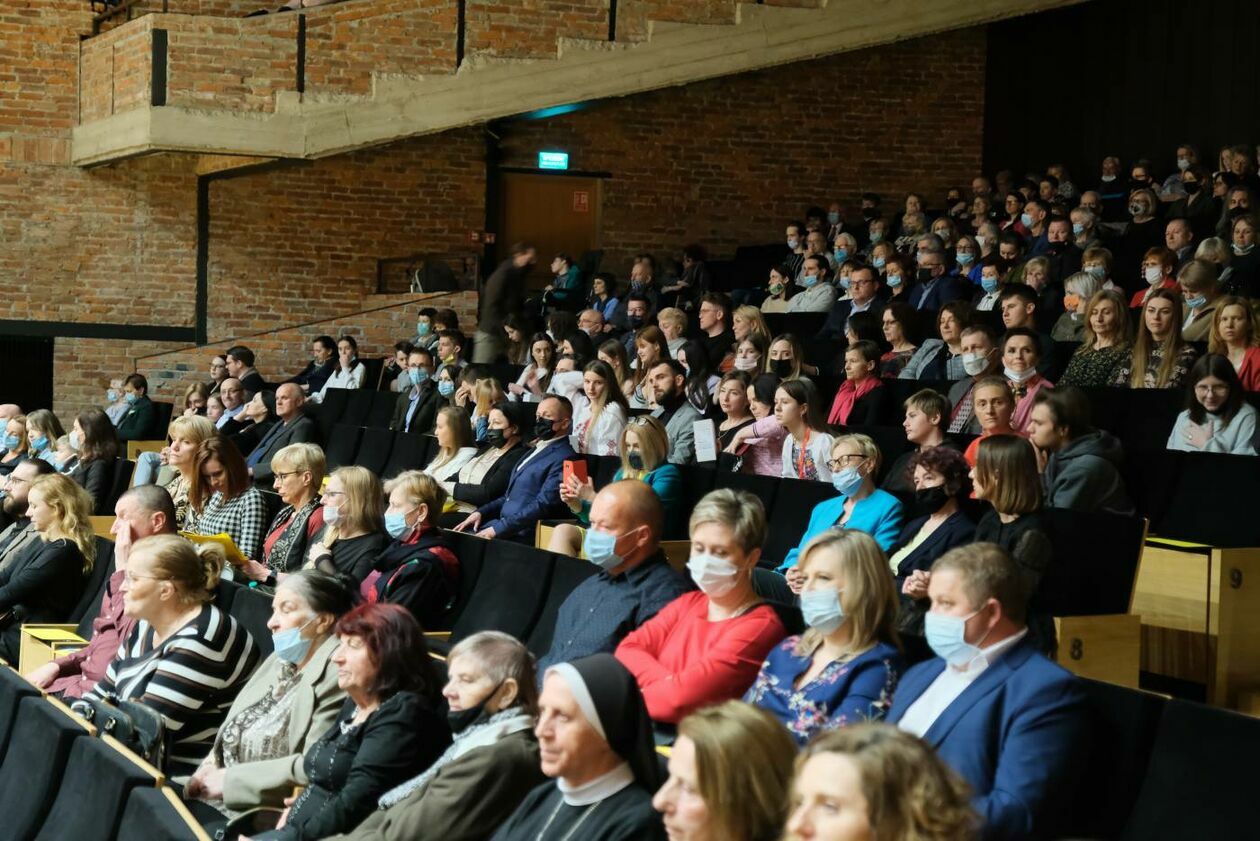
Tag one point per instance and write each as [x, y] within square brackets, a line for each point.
[951, 683]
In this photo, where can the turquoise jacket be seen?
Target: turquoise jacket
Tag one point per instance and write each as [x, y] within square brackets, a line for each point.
[879, 515]
[666, 480]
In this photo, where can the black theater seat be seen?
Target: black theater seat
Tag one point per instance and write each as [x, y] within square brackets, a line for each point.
[252, 609]
[93, 793]
[374, 449]
[381, 411]
[411, 451]
[358, 406]
[343, 443]
[566, 576]
[1199, 783]
[1096, 556]
[43, 734]
[13, 688]
[157, 814]
[789, 515]
[330, 411]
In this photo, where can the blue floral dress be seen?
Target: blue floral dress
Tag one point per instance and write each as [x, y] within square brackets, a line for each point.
[844, 693]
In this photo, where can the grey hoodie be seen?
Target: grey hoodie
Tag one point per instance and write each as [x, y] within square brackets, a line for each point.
[1085, 476]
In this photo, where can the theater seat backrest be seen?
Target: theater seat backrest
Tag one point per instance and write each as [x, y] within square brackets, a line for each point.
[157, 814]
[1095, 563]
[411, 451]
[252, 609]
[789, 515]
[471, 552]
[13, 688]
[1124, 722]
[382, 410]
[374, 449]
[93, 792]
[330, 411]
[1214, 501]
[344, 442]
[1200, 782]
[43, 734]
[509, 592]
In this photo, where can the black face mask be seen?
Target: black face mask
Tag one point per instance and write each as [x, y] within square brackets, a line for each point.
[543, 429]
[635, 321]
[1057, 247]
[1192, 187]
[462, 720]
[930, 500]
[1235, 212]
[1135, 184]
[496, 437]
[782, 368]
[869, 213]
[924, 275]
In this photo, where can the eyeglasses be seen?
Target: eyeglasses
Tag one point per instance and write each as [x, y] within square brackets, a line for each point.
[328, 494]
[282, 476]
[841, 462]
[1204, 388]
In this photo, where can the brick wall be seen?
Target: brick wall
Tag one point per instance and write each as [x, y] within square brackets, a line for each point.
[728, 161]
[721, 162]
[282, 353]
[531, 28]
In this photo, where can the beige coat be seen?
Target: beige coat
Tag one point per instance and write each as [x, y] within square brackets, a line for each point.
[1200, 330]
[315, 706]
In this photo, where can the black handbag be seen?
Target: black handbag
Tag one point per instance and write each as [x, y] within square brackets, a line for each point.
[139, 728]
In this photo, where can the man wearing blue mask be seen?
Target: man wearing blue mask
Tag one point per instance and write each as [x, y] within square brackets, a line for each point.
[1010, 722]
[1034, 218]
[416, 409]
[634, 580]
[533, 491]
[137, 422]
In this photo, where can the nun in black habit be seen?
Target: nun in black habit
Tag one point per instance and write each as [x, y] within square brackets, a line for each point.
[595, 739]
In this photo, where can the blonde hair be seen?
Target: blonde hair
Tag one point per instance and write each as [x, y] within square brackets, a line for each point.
[739, 511]
[1197, 276]
[910, 793]
[420, 489]
[1215, 343]
[1118, 303]
[672, 315]
[20, 420]
[195, 429]
[747, 800]
[364, 508]
[46, 422]
[865, 444]
[653, 442]
[869, 599]
[74, 511]
[194, 570]
[752, 315]
[487, 392]
[304, 458]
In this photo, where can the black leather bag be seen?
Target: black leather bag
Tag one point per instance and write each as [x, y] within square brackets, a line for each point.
[139, 728]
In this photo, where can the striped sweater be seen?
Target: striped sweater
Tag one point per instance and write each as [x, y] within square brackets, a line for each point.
[190, 678]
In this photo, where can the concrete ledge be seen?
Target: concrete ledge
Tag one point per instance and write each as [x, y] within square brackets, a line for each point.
[486, 89]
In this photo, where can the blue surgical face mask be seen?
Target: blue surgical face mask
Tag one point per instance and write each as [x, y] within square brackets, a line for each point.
[844, 283]
[876, 236]
[446, 388]
[1196, 302]
[964, 257]
[601, 548]
[131, 397]
[1078, 228]
[422, 328]
[847, 481]
[290, 646]
[111, 396]
[1026, 220]
[833, 217]
[947, 637]
[396, 525]
[989, 284]
[878, 262]
[417, 375]
[1097, 271]
[40, 444]
[893, 281]
[11, 442]
[809, 281]
[841, 254]
[821, 610]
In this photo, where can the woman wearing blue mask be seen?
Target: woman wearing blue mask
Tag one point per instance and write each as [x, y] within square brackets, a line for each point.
[898, 277]
[42, 431]
[289, 702]
[844, 668]
[644, 446]
[419, 570]
[15, 447]
[854, 464]
[967, 260]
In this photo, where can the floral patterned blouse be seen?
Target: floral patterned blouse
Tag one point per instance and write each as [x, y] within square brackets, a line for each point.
[845, 692]
[1094, 368]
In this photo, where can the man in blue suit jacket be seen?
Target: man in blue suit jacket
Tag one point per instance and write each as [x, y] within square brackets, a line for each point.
[934, 288]
[533, 492]
[1007, 720]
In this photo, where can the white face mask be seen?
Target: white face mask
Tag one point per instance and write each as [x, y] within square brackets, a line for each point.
[1153, 274]
[745, 363]
[713, 575]
[1019, 376]
[974, 363]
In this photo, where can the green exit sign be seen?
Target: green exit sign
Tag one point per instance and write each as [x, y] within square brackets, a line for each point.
[553, 160]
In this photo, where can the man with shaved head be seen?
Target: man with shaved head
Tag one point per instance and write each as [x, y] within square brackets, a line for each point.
[634, 580]
[294, 428]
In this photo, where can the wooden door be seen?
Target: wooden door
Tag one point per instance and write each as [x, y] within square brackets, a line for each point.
[557, 213]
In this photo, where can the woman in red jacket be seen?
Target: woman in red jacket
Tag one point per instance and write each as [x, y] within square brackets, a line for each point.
[706, 647]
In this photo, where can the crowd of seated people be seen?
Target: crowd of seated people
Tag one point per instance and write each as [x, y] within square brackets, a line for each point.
[1004, 307]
